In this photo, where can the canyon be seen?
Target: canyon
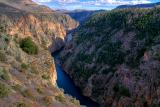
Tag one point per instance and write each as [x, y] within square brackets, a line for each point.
[99, 58]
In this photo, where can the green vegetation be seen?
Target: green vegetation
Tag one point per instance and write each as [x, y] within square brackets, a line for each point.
[82, 71]
[4, 90]
[45, 76]
[103, 31]
[21, 104]
[4, 74]
[48, 100]
[2, 56]
[17, 87]
[24, 66]
[34, 69]
[74, 101]
[111, 54]
[3, 27]
[122, 90]
[29, 46]
[40, 90]
[28, 93]
[60, 98]
[84, 57]
[155, 103]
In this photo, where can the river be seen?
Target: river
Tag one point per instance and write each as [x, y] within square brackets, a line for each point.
[67, 84]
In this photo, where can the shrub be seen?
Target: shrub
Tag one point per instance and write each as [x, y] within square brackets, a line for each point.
[84, 57]
[28, 93]
[29, 46]
[155, 103]
[17, 87]
[60, 98]
[4, 75]
[21, 104]
[45, 76]
[34, 69]
[24, 66]
[111, 54]
[47, 99]
[2, 56]
[40, 90]
[122, 90]
[74, 101]
[4, 90]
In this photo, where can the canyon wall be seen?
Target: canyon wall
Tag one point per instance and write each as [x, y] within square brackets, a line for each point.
[27, 70]
[114, 58]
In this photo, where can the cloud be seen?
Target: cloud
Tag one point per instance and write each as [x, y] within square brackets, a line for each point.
[67, 1]
[96, 2]
[42, 1]
[91, 3]
[120, 2]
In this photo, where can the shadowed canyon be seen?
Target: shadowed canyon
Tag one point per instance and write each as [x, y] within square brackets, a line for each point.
[79, 58]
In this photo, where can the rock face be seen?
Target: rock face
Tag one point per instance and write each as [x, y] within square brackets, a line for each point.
[53, 74]
[43, 26]
[27, 72]
[114, 58]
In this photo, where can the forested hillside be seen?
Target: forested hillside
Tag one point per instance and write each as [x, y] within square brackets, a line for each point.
[114, 58]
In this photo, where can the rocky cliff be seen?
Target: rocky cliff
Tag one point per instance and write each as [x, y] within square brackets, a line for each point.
[114, 58]
[27, 71]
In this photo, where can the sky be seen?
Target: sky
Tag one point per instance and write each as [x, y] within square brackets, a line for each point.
[90, 4]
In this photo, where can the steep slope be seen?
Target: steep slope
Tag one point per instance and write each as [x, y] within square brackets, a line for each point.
[50, 26]
[27, 5]
[27, 70]
[149, 5]
[114, 58]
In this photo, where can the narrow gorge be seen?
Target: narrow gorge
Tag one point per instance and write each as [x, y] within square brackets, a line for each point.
[79, 58]
[66, 83]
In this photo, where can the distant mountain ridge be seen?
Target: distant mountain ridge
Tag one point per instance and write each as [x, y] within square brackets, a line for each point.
[80, 15]
[150, 5]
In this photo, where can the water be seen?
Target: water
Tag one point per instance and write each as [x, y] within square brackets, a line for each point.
[66, 83]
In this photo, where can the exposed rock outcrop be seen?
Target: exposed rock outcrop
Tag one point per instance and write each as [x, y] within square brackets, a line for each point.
[53, 74]
[27, 71]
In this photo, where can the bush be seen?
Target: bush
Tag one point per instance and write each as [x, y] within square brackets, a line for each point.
[2, 56]
[47, 100]
[28, 93]
[122, 90]
[4, 90]
[74, 101]
[4, 75]
[45, 76]
[40, 90]
[34, 69]
[60, 98]
[21, 104]
[24, 66]
[29, 46]
[17, 87]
